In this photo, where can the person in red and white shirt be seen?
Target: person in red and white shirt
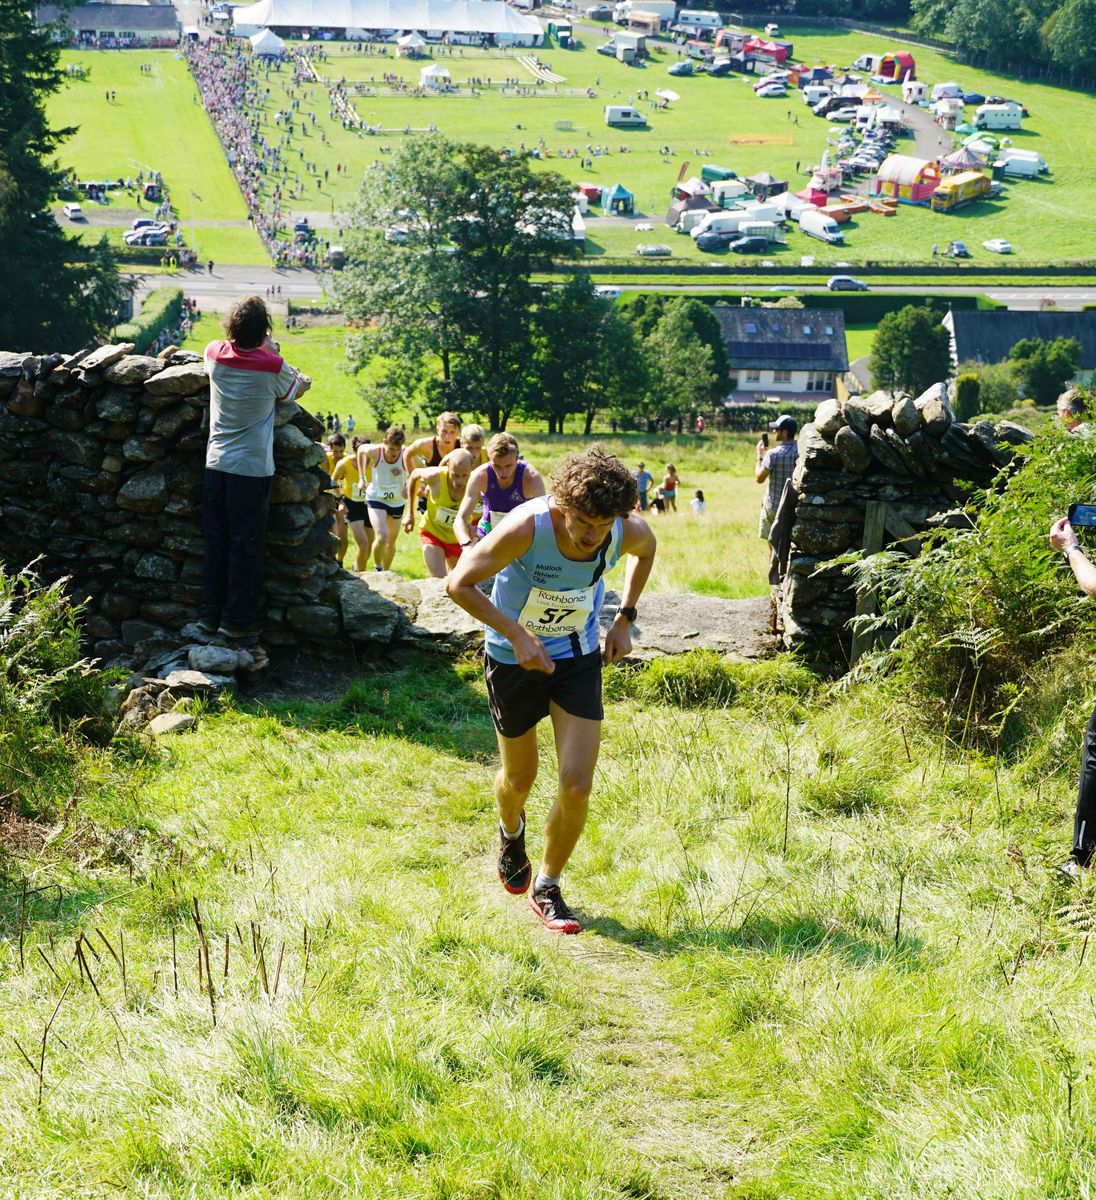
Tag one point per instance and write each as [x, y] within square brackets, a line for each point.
[247, 377]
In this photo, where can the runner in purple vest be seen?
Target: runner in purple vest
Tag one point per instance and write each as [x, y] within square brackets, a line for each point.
[500, 485]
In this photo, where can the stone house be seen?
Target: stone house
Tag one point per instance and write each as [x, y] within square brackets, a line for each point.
[790, 353]
[988, 337]
[116, 24]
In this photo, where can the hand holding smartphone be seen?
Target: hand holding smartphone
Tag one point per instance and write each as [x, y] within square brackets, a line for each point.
[1082, 515]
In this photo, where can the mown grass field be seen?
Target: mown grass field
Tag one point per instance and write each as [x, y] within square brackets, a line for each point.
[718, 554]
[155, 124]
[1047, 220]
[823, 959]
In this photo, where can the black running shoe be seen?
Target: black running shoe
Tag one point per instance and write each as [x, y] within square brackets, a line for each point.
[515, 870]
[549, 905]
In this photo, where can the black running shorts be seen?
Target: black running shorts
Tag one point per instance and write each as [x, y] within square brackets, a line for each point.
[356, 510]
[520, 698]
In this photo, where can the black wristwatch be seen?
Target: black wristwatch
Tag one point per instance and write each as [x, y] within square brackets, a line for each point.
[629, 614]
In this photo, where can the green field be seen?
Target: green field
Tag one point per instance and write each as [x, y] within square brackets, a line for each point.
[156, 123]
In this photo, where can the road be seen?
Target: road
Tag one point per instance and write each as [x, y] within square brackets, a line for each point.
[217, 292]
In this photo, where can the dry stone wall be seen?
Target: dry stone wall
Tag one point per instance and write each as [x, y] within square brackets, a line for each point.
[908, 454]
[101, 458]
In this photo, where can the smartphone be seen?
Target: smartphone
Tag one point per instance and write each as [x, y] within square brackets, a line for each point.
[1082, 514]
[764, 439]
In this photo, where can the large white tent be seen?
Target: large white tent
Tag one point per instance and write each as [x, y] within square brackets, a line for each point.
[266, 43]
[434, 76]
[359, 18]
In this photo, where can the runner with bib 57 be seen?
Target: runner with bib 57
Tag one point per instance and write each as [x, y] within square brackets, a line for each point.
[544, 654]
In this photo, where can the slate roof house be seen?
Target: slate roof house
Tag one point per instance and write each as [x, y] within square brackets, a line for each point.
[988, 337]
[793, 353]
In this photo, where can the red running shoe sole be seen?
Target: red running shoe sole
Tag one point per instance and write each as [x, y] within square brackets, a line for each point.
[565, 926]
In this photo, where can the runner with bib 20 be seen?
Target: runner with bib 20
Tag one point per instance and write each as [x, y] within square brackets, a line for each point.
[544, 656]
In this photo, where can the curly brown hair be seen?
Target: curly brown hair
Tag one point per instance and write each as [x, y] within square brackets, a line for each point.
[248, 323]
[596, 483]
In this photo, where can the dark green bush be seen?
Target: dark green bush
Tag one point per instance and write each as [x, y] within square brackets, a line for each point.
[161, 310]
[985, 607]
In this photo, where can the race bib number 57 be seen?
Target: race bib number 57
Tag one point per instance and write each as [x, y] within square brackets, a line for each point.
[557, 614]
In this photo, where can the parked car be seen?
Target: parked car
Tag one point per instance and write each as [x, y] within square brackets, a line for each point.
[782, 287]
[749, 245]
[997, 246]
[607, 48]
[845, 283]
[1005, 100]
[144, 222]
[608, 291]
[974, 98]
[73, 211]
[772, 91]
[600, 12]
[768, 80]
[145, 237]
[957, 250]
[842, 114]
[653, 250]
[682, 67]
[715, 241]
[718, 68]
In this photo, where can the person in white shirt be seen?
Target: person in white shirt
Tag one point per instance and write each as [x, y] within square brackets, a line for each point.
[697, 503]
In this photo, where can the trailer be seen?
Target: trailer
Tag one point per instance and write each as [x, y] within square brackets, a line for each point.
[958, 190]
[997, 116]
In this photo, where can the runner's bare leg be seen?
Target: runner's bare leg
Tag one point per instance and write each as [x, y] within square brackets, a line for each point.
[516, 775]
[578, 741]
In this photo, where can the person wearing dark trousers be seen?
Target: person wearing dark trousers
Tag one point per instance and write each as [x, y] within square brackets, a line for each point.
[1063, 538]
[247, 377]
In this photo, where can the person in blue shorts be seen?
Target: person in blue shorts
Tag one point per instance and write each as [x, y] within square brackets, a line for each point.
[544, 656]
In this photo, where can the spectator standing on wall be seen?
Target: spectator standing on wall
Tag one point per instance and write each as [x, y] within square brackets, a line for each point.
[775, 467]
[247, 376]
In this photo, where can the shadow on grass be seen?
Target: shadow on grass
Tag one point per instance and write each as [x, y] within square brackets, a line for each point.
[430, 699]
[790, 938]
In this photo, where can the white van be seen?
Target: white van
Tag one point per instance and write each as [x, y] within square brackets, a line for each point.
[690, 219]
[764, 210]
[724, 222]
[817, 224]
[621, 116]
[1024, 168]
[815, 93]
[1011, 154]
[694, 18]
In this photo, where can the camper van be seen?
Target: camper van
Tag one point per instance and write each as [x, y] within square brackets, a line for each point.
[997, 116]
[666, 10]
[694, 19]
[817, 224]
[620, 116]
[726, 191]
[815, 93]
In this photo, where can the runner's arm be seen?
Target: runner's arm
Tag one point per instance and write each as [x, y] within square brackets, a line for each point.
[532, 483]
[413, 456]
[363, 453]
[467, 534]
[510, 539]
[425, 475]
[638, 542]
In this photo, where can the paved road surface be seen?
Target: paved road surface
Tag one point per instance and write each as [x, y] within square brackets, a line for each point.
[217, 292]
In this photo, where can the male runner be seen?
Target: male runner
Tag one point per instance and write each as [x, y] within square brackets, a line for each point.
[429, 451]
[544, 659]
[347, 479]
[500, 485]
[445, 486]
[386, 492]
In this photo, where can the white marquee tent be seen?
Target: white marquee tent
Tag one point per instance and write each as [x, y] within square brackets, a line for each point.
[434, 76]
[434, 18]
[268, 43]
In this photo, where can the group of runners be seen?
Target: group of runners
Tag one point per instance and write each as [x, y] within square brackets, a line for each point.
[483, 515]
[454, 482]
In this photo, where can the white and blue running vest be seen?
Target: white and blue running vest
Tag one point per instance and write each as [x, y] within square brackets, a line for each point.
[554, 597]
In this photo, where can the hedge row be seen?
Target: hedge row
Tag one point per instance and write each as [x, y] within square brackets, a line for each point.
[860, 308]
[161, 310]
[748, 418]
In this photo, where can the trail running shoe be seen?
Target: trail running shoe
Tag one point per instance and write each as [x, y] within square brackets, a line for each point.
[552, 909]
[515, 870]
[1071, 871]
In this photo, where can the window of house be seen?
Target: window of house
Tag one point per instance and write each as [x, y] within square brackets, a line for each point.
[782, 377]
[753, 376]
[807, 329]
[829, 331]
[751, 327]
[819, 381]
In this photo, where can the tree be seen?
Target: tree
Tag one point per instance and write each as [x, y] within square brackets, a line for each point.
[996, 385]
[681, 374]
[443, 243]
[1044, 368]
[967, 388]
[647, 309]
[65, 293]
[911, 350]
[585, 357]
[1070, 33]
